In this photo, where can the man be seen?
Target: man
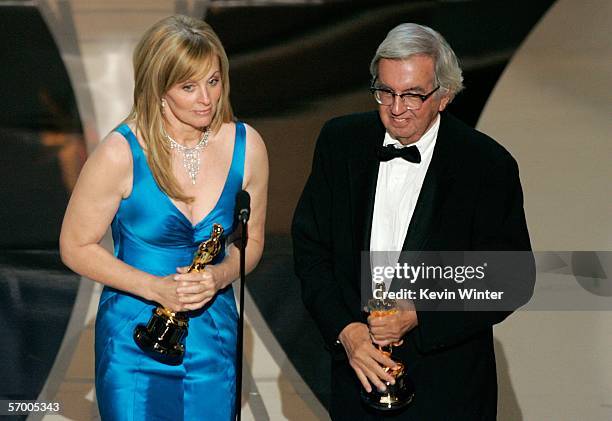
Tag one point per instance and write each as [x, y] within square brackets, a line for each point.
[456, 189]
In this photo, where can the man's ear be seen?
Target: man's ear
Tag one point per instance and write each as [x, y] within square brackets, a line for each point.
[444, 102]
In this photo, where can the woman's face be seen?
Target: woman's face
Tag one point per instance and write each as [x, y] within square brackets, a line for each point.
[194, 102]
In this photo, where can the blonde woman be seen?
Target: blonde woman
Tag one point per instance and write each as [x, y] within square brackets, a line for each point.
[161, 179]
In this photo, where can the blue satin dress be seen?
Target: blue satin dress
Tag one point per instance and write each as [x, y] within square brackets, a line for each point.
[151, 234]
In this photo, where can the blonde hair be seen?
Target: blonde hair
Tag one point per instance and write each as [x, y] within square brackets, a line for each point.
[172, 51]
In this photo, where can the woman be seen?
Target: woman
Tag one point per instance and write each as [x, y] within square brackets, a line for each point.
[161, 180]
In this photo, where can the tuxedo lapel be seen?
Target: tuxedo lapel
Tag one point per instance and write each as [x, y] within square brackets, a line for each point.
[424, 212]
[363, 173]
[432, 193]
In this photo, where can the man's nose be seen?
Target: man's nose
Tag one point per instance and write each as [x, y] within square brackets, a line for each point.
[398, 106]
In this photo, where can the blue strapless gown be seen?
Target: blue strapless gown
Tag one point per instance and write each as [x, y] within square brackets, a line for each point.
[151, 234]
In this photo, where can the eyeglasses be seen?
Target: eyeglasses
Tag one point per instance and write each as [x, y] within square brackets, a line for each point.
[385, 96]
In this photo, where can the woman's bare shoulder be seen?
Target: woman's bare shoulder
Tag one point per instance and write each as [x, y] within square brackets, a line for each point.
[109, 167]
[114, 150]
[256, 157]
[255, 143]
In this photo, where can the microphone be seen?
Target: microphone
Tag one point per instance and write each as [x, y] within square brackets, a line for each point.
[243, 211]
[243, 206]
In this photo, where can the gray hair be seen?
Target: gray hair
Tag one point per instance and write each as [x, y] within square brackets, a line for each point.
[410, 39]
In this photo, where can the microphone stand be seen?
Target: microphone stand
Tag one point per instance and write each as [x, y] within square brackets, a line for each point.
[243, 222]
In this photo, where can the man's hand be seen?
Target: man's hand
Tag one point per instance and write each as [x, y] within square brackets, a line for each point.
[391, 328]
[367, 361]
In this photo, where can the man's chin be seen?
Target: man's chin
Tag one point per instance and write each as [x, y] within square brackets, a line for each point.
[403, 137]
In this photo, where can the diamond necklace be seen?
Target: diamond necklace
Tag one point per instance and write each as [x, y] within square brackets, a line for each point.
[191, 156]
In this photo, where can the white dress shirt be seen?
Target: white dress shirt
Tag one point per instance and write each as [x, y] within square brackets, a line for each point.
[397, 191]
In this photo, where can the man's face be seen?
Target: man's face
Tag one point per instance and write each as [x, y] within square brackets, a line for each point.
[412, 75]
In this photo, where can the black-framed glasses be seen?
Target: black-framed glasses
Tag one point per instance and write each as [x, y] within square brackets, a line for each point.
[385, 96]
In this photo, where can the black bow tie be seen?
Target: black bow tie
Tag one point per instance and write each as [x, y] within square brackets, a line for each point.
[387, 153]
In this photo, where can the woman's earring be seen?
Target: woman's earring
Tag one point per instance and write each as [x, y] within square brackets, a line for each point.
[163, 105]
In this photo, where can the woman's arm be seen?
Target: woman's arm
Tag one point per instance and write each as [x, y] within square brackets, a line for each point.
[194, 295]
[105, 179]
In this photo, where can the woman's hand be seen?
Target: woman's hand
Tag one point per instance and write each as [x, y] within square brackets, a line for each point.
[196, 289]
[163, 291]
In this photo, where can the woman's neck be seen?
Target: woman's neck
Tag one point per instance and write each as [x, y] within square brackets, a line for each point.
[184, 134]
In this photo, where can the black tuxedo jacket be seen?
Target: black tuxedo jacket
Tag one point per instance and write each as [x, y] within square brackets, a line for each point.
[471, 199]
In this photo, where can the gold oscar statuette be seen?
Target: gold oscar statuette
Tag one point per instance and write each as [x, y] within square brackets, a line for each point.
[163, 338]
[401, 393]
